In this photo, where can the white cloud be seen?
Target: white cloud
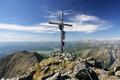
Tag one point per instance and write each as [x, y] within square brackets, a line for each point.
[42, 27]
[87, 28]
[84, 17]
[89, 24]
[80, 22]
[83, 23]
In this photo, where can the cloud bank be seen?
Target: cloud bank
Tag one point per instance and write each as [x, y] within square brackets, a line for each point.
[81, 23]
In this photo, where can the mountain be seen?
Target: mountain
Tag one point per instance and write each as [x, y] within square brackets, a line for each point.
[18, 64]
[90, 65]
[105, 56]
[2, 55]
[100, 60]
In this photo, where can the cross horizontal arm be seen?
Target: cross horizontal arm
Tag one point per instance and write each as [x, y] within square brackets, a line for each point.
[54, 23]
[67, 25]
[59, 24]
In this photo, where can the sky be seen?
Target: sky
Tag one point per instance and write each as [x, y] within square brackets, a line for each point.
[27, 20]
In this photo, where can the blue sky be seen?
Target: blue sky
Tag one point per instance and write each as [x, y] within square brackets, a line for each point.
[27, 20]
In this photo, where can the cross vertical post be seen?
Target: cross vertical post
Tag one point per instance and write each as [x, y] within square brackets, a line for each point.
[61, 28]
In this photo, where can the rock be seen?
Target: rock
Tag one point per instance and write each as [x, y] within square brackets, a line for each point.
[86, 74]
[28, 76]
[117, 73]
[46, 69]
[58, 76]
[68, 56]
[54, 77]
[46, 76]
[103, 75]
[116, 65]
[115, 68]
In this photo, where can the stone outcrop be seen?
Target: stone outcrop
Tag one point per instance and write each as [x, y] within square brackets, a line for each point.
[63, 68]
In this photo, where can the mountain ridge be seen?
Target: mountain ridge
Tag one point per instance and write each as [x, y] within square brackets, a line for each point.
[17, 64]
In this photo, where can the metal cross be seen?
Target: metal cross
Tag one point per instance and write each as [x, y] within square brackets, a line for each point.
[61, 28]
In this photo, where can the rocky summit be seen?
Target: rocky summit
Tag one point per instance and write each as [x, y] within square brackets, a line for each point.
[18, 64]
[67, 67]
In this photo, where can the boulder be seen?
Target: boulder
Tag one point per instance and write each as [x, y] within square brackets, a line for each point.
[117, 73]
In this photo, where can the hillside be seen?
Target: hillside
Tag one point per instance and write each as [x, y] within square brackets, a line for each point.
[18, 64]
